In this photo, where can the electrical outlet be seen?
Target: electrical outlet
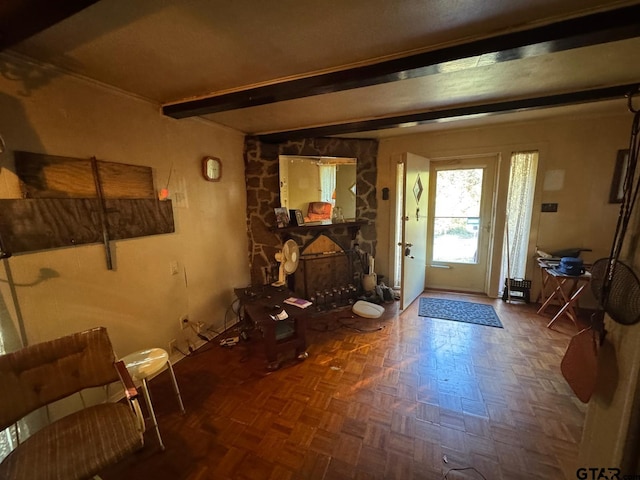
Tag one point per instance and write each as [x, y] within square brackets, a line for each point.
[172, 346]
[200, 326]
[184, 321]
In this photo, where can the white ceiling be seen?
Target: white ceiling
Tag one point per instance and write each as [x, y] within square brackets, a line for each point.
[172, 50]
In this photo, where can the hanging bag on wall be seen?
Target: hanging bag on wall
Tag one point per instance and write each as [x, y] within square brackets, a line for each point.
[579, 365]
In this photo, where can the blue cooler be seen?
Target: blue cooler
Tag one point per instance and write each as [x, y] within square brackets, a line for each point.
[571, 266]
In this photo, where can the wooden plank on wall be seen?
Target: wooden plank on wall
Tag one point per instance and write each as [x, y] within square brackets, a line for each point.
[125, 181]
[40, 224]
[138, 218]
[28, 225]
[62, 207]
[51, 176]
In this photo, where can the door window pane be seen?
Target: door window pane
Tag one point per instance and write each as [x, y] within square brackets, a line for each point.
[457, 215]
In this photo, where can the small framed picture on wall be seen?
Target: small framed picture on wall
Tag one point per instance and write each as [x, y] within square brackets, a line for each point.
[616, 193]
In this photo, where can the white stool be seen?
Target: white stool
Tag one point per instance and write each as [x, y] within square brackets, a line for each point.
[144, 364]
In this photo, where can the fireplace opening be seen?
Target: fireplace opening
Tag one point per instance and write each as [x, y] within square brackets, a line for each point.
[327, 275]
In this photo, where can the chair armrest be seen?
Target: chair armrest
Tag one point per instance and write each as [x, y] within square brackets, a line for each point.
[130, 389]
[131, 392]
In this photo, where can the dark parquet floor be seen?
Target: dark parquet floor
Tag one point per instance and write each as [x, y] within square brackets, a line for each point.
[390, 403]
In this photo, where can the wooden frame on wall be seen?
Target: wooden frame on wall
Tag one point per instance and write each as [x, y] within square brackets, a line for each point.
[616, 192]
[76, 201]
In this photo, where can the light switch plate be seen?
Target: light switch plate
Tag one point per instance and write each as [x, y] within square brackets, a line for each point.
[549, 207]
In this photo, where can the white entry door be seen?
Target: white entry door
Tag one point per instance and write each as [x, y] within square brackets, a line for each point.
[414, 171]
[460, 221]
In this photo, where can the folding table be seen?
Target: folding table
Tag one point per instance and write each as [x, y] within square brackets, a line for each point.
[568, 289]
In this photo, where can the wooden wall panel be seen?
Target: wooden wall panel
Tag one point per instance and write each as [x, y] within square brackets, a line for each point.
[50, 176]
[62, 206]
[138, 218]
[44, 223]
[125, 181]
[40, 224]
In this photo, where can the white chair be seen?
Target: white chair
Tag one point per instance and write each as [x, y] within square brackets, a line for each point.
[144, 364]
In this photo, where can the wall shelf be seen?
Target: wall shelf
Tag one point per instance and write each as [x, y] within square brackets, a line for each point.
[353, 227]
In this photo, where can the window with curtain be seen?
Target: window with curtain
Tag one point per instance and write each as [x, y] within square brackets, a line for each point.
[522, 181]
[327, 183]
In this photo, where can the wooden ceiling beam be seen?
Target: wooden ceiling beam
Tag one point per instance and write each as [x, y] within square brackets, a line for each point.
[422, 118]
[597, 28]
[20, 19]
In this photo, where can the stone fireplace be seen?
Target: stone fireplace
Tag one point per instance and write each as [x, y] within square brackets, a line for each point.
[327, 274]
[263, 195]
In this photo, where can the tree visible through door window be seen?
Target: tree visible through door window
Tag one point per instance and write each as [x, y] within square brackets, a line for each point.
[457, 215]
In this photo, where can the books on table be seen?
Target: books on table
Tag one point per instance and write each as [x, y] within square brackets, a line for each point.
[298, 302]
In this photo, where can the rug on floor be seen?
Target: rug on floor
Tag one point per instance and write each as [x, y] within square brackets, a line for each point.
[468, 312]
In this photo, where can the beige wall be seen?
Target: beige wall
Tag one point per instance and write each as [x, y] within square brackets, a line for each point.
[584, 148]
[140, 301]
[304, 184]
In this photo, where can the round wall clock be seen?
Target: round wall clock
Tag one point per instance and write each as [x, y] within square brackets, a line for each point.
[212, 169]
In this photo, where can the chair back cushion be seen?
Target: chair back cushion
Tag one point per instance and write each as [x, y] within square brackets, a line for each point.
[319, 211]
[42, 373]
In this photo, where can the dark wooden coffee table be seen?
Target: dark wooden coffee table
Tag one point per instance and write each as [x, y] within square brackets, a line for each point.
[280, 336]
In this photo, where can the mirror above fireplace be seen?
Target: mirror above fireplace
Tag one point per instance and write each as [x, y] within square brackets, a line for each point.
[309, 180]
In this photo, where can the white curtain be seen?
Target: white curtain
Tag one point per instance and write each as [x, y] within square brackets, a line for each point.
[327, 183]
[522, 181]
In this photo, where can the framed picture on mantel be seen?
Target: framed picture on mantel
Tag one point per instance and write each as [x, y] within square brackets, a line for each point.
[282, 217]
[297, 219]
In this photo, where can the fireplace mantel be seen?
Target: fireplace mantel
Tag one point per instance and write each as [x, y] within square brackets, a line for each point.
[352, 227]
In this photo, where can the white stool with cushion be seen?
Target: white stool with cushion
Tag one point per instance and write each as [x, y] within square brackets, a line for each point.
[144, 364]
